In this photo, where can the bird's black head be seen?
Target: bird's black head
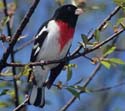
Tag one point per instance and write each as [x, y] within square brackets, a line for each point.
[67, 13]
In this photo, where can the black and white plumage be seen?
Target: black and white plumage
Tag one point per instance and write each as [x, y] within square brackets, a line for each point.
[52, 42]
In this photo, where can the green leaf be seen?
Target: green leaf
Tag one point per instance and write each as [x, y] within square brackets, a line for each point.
[109, 50]
[3, 104]
[97, 35]
[69, 73]
[11, 93]
[84, 38]
[82, 44]
[4, 92]
[106, 48]
[121, 21]
[87, 90]
[74, 92]
[85, 42]
[26, 70]
[106, 64]
[120, 3]
[3, 22]
[72, 65]
[3, 83]
[116, 61]
[69, 70]
[1, 5]
[80, 88]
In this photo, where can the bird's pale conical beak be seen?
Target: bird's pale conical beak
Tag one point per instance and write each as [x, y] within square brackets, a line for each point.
[78, 11]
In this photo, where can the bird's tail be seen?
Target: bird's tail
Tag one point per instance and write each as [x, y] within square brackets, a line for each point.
[37, 96]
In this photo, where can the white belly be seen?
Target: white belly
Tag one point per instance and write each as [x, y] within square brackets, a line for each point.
[51, 47]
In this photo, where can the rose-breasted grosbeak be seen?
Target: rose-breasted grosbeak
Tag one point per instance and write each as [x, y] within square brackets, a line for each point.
[52, 42]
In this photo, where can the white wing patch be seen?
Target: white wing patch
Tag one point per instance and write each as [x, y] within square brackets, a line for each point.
[43, 29]
[37, 50]
[35, 46]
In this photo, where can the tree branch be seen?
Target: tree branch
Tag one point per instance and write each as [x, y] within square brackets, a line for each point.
[17, 34]
[92, 75]
[115, 35]
[116, 9]
[108, 88]
[120, 49]
[18, 108]
[16, 100]
[24, 45]
[73, 98]
[75, 54]
[71, 57]
[64, 108]
[100, 27]
[108, 18]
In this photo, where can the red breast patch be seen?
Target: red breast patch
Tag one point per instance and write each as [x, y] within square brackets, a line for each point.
[66, 33]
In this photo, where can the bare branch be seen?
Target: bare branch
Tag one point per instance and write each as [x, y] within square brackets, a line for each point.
[17, 34]
[18, 108]
[24, 45]
[6, 14]
[120, 49]
[100, 27]
[16, 100]
[71, 57]
[108, 18]
[115, 35]
[92, 75]
[108, 88]
[95, 71]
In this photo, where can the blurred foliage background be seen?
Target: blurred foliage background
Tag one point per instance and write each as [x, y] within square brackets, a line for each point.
[94, 14]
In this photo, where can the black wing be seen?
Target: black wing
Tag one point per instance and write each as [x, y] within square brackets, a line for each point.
[39, 42]
[55, 72]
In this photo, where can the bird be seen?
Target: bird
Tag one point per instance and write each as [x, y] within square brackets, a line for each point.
[52, 42]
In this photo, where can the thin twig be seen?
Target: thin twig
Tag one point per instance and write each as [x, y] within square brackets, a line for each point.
[24, 45]
[6, 14]
[14, 40]
[100, 27]
[18, 108]
[120, 49]
[108, 88]
[73, 98]
[108, 18]
[92, 75]
[64, 108]
[17, 34]
[115, 35]
[71, 57]
[16, 100]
